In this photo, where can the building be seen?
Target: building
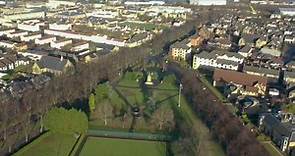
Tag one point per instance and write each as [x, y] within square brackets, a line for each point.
[30, 37]
[17, 34]
[51, 65]
[218, 59]
[272, 52]
[45, 40]
[6, 31]
[260, 71]
[246, 51]
[208, 2]
[180, 50]
[30, 25]
[289, 77]
[23, 16]
[147, 3]
[7, 44]
[60, 26]
[197, 41]
[246, 84]
[290, 66]
[94, 38]
[281, 133]
[287, 11]
[57, 3]
[60, 43]
[79, 46]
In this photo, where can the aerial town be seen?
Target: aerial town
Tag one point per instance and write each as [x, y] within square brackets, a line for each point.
[147, 78]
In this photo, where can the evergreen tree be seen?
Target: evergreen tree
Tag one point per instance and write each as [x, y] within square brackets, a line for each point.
[91, 102]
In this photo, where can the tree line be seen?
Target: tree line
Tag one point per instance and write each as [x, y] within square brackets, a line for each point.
[236, 139]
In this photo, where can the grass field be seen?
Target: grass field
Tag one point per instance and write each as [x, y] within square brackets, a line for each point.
[49, 144]
[129, 87]
[271, 149]
[122, 147]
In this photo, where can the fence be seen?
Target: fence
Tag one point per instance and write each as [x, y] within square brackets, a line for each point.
[131, 135]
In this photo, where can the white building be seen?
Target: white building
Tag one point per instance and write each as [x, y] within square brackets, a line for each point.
[7, 44]
[6, 31]
[92, 38]
[208, 2]
[60, 26]
[80, 46]
[287, 11]
[31, 25]
[45, 40]
[103, 14]
[169, 9]
[30, 37]
[57, 3]
[17, 34]
[218, 59]
[145, 3]
[24, 15]
[60, 43]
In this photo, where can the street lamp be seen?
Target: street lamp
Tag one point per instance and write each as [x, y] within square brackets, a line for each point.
[179, 94]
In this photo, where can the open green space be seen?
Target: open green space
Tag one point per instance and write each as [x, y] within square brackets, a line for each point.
[271, 149]
[123, 147]
[49, 144]
[129, 87]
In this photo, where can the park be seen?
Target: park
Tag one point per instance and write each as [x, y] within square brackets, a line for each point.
[141, 113]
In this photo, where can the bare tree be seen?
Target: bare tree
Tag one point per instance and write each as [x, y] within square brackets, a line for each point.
[163, 118]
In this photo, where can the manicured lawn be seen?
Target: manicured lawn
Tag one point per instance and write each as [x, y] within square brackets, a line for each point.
[122, 147]
[271, 149]
[129, 87]
[49, 145]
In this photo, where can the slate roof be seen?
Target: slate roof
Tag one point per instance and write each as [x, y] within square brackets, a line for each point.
[283, 129]
[227, 62]
[215, 53]
[52, 63]
[261, 70]
[276, 125]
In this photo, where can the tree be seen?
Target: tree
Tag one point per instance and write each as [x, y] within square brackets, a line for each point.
[101, 92]
[104, 111]
[163, 117]
[60, 120]
[91, 102]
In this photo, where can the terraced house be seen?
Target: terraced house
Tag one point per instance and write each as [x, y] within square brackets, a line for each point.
[218, 59]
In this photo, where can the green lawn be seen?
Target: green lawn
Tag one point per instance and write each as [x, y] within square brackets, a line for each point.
[122, 147]
[271, 149]
[129, 87]
[49, 145]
